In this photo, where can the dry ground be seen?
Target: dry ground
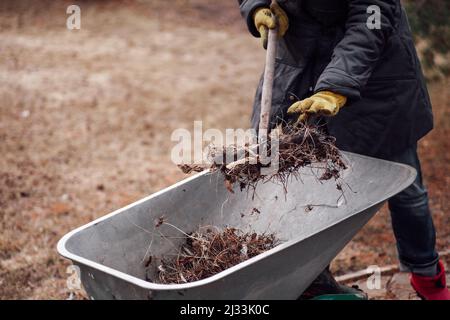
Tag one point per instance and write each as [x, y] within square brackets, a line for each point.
[86, 118]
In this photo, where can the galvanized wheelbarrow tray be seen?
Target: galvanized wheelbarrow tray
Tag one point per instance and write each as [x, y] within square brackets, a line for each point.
[314, 220]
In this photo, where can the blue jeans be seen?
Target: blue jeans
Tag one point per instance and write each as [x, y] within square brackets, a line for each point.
[412, 222]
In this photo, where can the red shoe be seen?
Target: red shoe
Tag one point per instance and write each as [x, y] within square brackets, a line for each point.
[431, 288]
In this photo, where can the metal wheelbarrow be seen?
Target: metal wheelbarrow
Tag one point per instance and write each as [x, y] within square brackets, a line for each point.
[314, 220]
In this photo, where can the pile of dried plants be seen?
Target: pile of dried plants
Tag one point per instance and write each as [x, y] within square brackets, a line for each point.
[299, 146]
[208, 252]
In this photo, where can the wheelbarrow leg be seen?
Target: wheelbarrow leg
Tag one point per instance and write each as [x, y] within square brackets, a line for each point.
[325, 287]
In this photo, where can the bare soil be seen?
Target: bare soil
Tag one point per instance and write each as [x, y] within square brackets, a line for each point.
[86, 118]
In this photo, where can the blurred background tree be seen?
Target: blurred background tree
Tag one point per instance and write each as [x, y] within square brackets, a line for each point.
[430, 23]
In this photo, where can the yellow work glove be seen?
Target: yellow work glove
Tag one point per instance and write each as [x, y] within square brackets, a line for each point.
[324, 103]
[264, 21]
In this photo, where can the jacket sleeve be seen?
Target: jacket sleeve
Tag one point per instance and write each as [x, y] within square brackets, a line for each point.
[356, 55]
[247, 8]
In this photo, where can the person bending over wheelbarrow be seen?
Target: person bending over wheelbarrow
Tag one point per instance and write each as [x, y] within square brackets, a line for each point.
[363, 79]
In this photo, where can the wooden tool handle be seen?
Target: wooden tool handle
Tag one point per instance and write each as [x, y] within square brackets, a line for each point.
[269, 71]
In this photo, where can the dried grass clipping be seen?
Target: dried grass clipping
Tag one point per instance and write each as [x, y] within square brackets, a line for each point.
[206, 253]
[299, 146]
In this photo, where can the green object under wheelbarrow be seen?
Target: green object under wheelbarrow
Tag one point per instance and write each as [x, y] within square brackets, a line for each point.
[349, 296]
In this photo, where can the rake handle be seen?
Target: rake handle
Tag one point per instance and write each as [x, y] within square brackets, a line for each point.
[269, 71]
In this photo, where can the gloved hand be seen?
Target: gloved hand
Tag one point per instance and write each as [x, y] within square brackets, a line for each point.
[324, 103]
[264, 21]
